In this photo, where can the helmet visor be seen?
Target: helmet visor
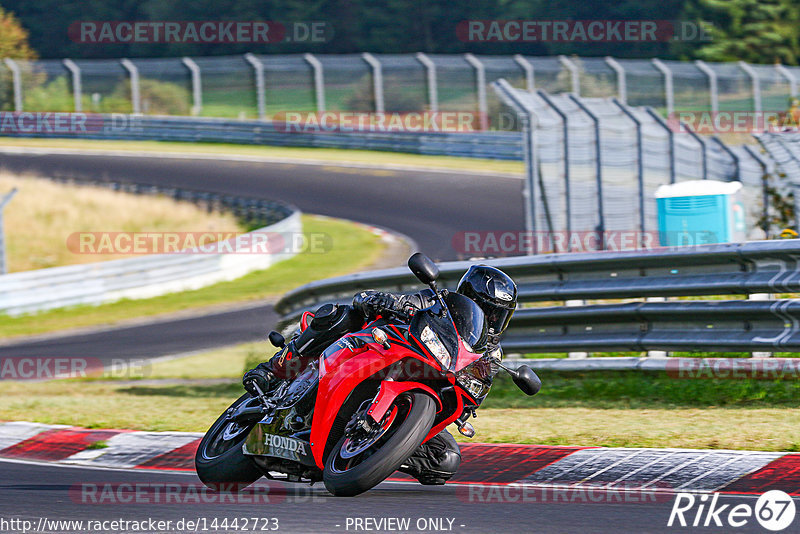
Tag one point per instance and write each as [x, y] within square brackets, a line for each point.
[497, 318]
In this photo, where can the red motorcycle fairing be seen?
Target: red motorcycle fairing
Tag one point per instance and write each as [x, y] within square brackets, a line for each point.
[465, 358]
[388, 392]
[342, 368]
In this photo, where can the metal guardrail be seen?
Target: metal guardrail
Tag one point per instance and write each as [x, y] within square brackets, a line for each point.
[716, 325]
[141, 277]
[153, 274]
[494, 145]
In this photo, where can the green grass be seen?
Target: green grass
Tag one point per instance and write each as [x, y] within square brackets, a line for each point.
[345, 238]
[643, 390]
[366, 157]
[593, 389]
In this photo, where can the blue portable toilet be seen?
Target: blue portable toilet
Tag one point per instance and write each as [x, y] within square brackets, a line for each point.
[698, 212]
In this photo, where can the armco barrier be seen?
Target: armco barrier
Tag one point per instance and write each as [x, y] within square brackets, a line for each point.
[715, 325]
[495, 145]
[139, 277]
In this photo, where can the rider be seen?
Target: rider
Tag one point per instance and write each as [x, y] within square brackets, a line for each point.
[494, 291]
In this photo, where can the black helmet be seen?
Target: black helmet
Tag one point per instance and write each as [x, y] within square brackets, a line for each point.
[494, 291]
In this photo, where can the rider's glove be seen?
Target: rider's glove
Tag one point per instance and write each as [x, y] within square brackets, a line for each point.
[261, 376]
[374, 303]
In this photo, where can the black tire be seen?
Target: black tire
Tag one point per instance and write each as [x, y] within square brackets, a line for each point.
[403, 439]
[220, 463]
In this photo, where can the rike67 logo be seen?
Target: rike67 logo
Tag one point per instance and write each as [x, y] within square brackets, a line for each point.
[774, 510]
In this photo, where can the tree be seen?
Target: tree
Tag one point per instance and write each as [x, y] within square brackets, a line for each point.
[13, 38]
[759, 31]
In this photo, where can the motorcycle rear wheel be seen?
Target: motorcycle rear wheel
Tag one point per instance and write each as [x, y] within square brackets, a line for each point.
[219, 460]
[351, 469]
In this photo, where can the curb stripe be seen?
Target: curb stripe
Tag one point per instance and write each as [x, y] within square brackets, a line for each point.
[661, 470]
[16, 432]
[134, 448]
[485, 463]
[181, 458]
[782, 473]
[57, 444]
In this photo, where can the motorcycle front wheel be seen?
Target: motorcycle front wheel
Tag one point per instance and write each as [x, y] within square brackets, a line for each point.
[219, 459]
[359, 462]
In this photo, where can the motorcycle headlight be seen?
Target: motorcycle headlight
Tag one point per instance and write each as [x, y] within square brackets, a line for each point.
[436, 347]
[476, 378]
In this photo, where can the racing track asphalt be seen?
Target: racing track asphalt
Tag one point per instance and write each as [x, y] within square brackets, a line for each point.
[34, 491]
[428, 207]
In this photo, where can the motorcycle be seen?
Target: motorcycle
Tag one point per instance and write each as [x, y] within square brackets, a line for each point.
[351, 418]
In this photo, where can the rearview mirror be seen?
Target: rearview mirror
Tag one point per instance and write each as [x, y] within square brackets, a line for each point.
[526, 380]
[423, 268]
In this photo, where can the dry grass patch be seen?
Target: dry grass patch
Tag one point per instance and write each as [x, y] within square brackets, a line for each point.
[767, 429]
[43, 214]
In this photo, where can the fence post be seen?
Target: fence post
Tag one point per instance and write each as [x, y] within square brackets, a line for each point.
[657, 353]
[786, 73]
[639, 164]
[433, 91]
[712, 84]
[480, 85]
[258, 69]
[576, 304]
[319, 81]
[530, 193]
[622, 86]
[730, 152]
[765, 195]
[565, 122]
[751, 72]
[197, 87]
[601, 226]
[573, 72]
[76, 83]
[526, 65]
[3, 201]
[16, 76]
[136, 96]
[377, 81]
[671, 140]
[703, 147]
[669, 88]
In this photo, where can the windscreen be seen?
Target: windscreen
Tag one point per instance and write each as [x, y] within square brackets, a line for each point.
[469, 320]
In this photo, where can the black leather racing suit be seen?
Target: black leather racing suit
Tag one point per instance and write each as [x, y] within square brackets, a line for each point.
[433, 462]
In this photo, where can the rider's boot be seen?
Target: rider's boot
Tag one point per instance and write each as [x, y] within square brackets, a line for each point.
[435, 461]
